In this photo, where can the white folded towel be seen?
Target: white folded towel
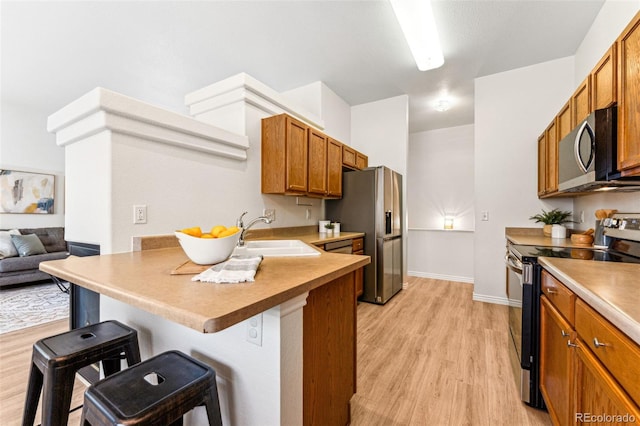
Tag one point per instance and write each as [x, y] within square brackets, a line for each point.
[236, 269]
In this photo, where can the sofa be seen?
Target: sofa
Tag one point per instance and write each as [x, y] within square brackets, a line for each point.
[20, 264]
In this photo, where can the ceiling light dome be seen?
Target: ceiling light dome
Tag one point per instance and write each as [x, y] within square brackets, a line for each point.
[442, 105]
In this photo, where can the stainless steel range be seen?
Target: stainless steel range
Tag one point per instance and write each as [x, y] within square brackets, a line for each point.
[523, 288]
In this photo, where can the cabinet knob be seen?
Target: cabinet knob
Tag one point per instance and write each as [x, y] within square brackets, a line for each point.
[564, 333]
[571, 345]
[549, 291]
[598, 344]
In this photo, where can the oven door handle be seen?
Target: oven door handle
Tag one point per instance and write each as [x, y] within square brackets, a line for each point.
[513, 263]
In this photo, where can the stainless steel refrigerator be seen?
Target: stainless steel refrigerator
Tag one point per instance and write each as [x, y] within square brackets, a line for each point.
[372, 203]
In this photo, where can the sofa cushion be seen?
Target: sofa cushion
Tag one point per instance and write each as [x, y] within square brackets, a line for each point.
[13, 264]
[28, 245]
[52, 238]
[7, 249]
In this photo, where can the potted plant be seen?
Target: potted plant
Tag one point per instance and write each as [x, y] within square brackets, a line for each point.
[329, 227]
[550, 218]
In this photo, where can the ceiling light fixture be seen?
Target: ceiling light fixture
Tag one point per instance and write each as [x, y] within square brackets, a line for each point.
[442, 105]
[419, 28]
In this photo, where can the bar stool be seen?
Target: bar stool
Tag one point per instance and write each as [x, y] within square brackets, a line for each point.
[56, 359]
[158, 391]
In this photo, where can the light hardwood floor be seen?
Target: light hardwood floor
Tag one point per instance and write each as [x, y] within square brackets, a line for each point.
[430, 356]
[433, 356]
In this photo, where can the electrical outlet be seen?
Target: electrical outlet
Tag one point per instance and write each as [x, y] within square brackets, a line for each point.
[139, 214]
[254, 330]
[581, 216]
[485, 216]
[270, 214]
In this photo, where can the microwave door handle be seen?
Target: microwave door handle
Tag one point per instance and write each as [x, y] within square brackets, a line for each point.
[576, 146]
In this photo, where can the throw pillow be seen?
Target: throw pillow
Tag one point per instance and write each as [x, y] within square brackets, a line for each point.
[7, 249]
[28, 245]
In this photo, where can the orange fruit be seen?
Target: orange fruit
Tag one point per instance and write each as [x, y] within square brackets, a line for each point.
[216, 230]
[207, 236]
[194, 231]
[228, 231]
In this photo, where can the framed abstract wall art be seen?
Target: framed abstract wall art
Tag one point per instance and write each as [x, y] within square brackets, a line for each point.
[25, 192]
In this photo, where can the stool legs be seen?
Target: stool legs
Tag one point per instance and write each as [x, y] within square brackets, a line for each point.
[33, 395]
[212, 404]
[55, 361]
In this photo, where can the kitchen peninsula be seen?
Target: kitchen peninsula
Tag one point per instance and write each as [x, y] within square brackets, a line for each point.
[302, 370]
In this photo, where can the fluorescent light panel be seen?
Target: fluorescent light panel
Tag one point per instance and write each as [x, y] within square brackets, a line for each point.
[419, 28]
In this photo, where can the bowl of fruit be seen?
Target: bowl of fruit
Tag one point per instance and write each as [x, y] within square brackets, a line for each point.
[207, 248]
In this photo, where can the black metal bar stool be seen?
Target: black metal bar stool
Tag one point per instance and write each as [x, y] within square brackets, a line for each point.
[158, 391]
[56, 359]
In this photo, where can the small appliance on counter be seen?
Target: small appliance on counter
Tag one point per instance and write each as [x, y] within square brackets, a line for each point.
[372, 203]
[523, 292]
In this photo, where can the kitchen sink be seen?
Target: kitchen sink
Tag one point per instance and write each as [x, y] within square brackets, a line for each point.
[276, 248]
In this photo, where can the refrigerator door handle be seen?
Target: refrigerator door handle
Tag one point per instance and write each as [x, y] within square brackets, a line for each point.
[387, 222]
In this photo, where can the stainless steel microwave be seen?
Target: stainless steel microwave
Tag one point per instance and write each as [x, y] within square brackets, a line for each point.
[587, 156]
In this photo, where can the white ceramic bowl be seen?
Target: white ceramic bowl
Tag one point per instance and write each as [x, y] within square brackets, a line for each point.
[207, 251]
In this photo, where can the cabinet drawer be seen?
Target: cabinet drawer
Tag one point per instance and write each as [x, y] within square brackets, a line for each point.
[358, 244]
[559, 295]
[620, 355]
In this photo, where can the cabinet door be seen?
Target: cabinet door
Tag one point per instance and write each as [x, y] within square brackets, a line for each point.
[542, 164]
[599, 394]
[551, 182]
[334, 168]
[603, 81]
[296, 156]
[581, 102]
[317, 162]
[348, 157]
[629, 99]
[556, 363]
[362, 161]
[564, 121]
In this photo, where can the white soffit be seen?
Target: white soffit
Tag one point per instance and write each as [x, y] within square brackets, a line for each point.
[243, 87]
[103, 109]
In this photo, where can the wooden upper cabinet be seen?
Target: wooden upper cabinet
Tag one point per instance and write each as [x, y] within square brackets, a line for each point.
[604, 77]
[542, 164]
[362, 161]
[334, 168]
[628, 46]
[581, 102]
[563, 121]
[353, 159]
[284, 155]
[552, 158]
[317, 162]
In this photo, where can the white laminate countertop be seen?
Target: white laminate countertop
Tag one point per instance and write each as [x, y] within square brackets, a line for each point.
[611, 288]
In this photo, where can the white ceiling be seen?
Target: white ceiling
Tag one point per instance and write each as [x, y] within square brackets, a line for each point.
[53, 52]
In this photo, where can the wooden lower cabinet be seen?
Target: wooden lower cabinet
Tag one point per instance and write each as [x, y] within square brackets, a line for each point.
[578, 386]
[599, 398]
[556, 363]
[329, 352]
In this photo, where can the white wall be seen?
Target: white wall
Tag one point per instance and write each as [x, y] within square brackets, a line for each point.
[610, 22]
[320, 100]
[439, 181]
[25, 145]
[380, 130]
[511, 110]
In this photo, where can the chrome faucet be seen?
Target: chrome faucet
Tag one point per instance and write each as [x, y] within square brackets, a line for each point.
[240, 224]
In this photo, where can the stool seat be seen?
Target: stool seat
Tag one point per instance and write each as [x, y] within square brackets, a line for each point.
[158, 391]
[56, 359]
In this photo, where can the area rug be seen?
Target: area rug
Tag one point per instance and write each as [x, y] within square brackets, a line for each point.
[27, 306]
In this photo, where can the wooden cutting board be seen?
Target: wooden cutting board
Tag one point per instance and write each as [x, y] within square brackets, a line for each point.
[189, 268]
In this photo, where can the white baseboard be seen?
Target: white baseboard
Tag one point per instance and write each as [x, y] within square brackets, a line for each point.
[490, 299]
[441, 277]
